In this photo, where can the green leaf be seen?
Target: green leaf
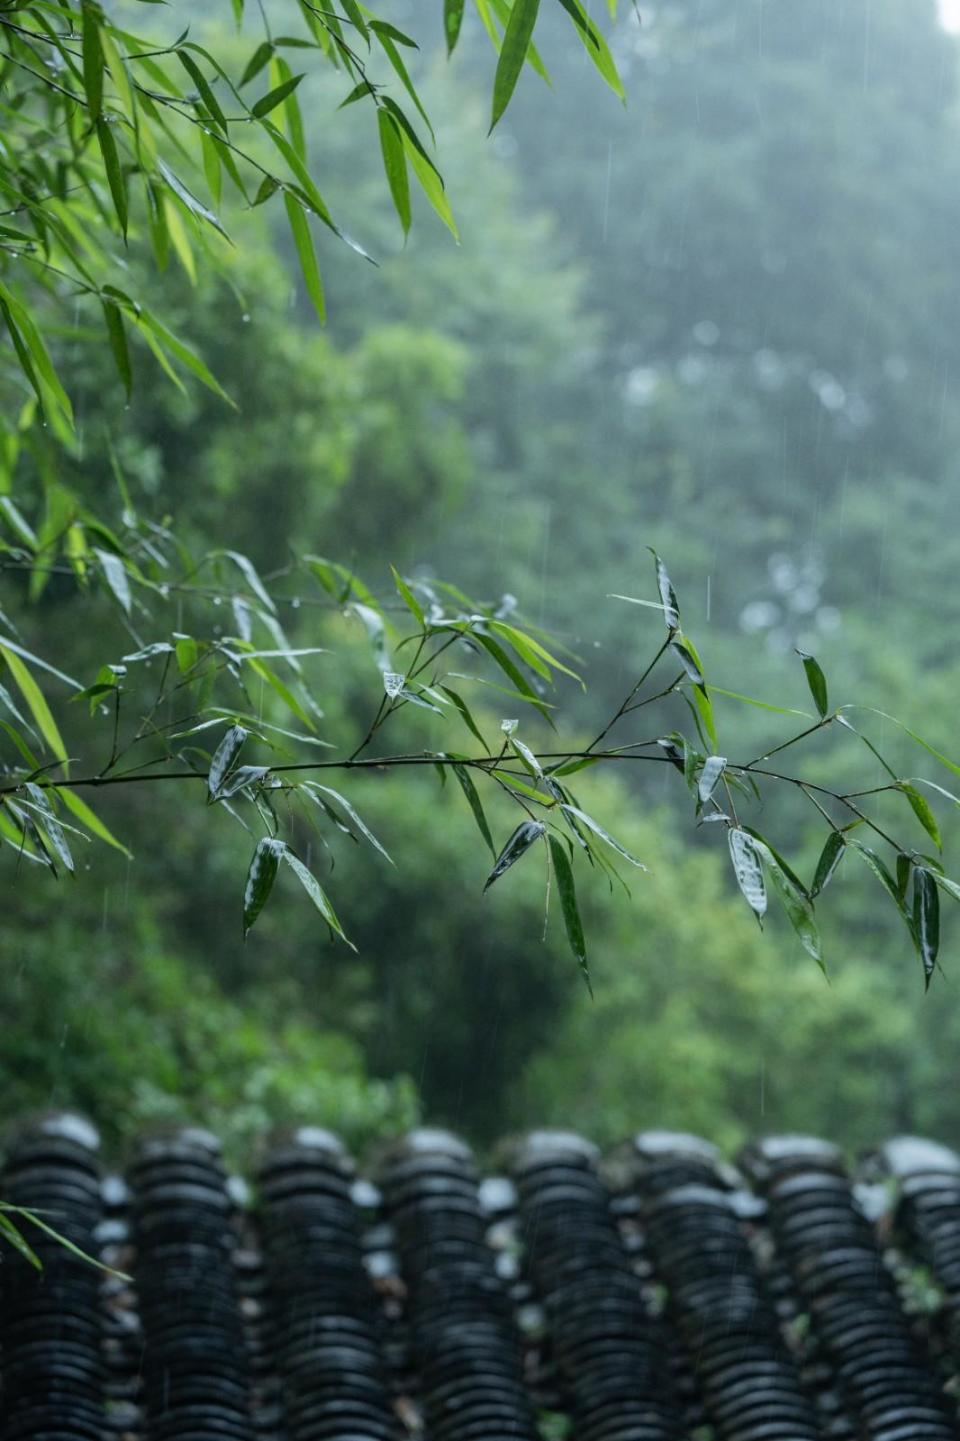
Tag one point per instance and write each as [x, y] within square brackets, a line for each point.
[223, 759]
[250, 574]
[154, 328]
[68, 1245]
[513, 53]
[926, 918]
[92, 61]
[260, 878]
[187, 198]
[465, 714]
[830, 858]
[348, 808]
[668, 596]
[276, 96]
[473, 800]
[796, 902]
[51, 826]
[114, 573]
[16, 1240]
[452, 21]
[604, 835]
[512, 672]
[115, 177]
[89, 818]
[876, 865]
[563, 871]
[203, 86]
[36, 702]
[527, 757]
[386, 34]
[526, 833]
[408, 597]
[922, 810]
[748, 870]
[760, 704]
[713, 769]
[117, 336]
[303, 240]
[595, 46]
[688, 658]
[395, 166]
[817, 682]
[315, 891]
[260, 57]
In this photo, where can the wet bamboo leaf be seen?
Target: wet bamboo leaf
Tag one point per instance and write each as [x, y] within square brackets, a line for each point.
[345, 805]
[876, 865]
[922, 810]
[239, 779]
[89, 818]
[904, 868]
[475, 804]
[817, 682]
[513, 53]
[682, 650]
[35, 1219]
[926, 919]
[223, 758]
[595, 45]
[519, 843]
[527, 757]
[796, 902]
[668, 596]
[395, 167]
[260, 878]
[573, 925]
[830, 858]
[748, 870]
[604, 835]
[260, 57]
[115, 575]
[51, 826]
[315, 891]
[713, 769]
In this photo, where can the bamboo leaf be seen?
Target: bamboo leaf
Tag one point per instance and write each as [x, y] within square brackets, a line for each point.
[922, 810]
[475, 804]
[395, 166]
[315, 891]
[926, 919]
[303, 240]
[526, 833]
[748, 870]
[513, 53]
[817, 682]
[223, 759]
[604, 835]
[573, 925]
[260, 878]
[36, 702]
[830, 858]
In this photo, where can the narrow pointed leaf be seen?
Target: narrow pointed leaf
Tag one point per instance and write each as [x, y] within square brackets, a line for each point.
[668, 596]
[922, 810]
[830, 858]
[604, 835]
[315, 891]
[475, 804]
[926, 919]
[513, 53]
[306, 254]
[395, 167]
[817, 682]
[36, 702]
[519, 843]
[452, 21]
[796, 902]
[573, 925]
[361, 826]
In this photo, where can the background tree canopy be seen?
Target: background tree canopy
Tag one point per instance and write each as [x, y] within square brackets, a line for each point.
[718, 322]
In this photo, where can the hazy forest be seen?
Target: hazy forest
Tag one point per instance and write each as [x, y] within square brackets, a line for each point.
[720, 320]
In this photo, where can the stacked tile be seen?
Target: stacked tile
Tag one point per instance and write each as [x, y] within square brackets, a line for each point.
[608, 1347]
[322, 1315]
[461, 1326]
[694, 1221]
[926, 1185]
[195, 1371]
[833, 1256]
[50, 1330]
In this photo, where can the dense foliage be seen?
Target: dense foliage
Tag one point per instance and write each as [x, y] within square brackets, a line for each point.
[676, 336]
